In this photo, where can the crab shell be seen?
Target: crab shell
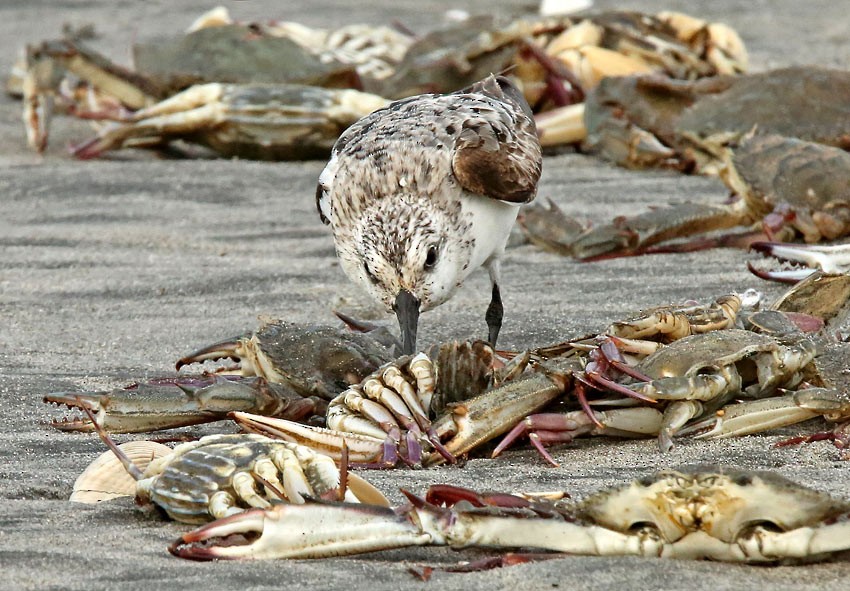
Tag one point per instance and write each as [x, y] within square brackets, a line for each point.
[312, 360]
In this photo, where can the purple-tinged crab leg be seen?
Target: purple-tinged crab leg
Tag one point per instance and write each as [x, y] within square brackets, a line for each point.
[615, 359]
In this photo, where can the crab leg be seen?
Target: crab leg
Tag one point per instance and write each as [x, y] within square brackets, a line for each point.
[362, 449]
[563, 428]
[803, 542]
[321, 530]
[770, 413]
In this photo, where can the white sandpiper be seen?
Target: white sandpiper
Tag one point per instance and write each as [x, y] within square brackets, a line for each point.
[424, 191]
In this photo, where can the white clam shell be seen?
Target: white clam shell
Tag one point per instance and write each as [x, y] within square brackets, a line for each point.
[105, 478]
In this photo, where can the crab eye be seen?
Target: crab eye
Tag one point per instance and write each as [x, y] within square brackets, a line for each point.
[372, 277]
[431, 258]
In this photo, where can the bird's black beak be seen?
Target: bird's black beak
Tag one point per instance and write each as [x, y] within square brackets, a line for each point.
[406, 308]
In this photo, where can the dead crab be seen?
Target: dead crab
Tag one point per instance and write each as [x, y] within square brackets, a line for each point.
[167, 403]
[691, 377]
[432, 407]
[827, 392]
[90, 84]
[790, 345]
[257, 121]
[717, 514]
[282, 369]
[424, 409]
[785, 188]
[221, 475]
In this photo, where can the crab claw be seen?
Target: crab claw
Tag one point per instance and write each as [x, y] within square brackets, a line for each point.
[314, 530]
[798, 261]
[168, 403]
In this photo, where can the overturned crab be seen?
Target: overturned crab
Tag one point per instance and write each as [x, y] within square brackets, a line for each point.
[729, 515]
[282, 369]
[427, 408]
[257, 121]
[221, 475]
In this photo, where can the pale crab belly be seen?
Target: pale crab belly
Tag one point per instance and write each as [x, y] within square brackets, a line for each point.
[491, 223]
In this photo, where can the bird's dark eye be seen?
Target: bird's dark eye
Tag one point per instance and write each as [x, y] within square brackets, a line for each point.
[372, 277]
[431, 258]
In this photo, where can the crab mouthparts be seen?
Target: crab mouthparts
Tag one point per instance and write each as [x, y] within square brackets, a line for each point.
[234, 532]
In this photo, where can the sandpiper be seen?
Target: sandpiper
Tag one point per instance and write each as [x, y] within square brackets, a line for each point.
[424, 191]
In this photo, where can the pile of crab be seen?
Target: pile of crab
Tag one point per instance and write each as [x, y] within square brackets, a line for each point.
[220, 83]
[318, 401]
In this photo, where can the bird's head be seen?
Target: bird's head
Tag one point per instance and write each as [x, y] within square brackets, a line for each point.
[409, 255]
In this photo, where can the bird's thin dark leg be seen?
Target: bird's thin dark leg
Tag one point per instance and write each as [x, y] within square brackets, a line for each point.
[494, 314]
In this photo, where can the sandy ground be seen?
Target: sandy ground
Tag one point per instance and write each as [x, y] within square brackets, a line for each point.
[112, 269]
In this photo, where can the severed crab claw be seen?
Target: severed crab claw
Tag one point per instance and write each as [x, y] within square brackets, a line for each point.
[729, 515]
[755, 416]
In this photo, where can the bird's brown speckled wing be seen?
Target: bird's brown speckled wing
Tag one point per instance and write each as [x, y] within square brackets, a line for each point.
[497, 153]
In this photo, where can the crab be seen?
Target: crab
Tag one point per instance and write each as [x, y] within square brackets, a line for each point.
[789, 173]
[257, 121]
[648, 120]
[92, 86]
[692, 376]
[282, 369]
[220, 475]
[558, 60]
[785, 187]
[705, 513]
[394, 414]
[425, 409]
[791, 344]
